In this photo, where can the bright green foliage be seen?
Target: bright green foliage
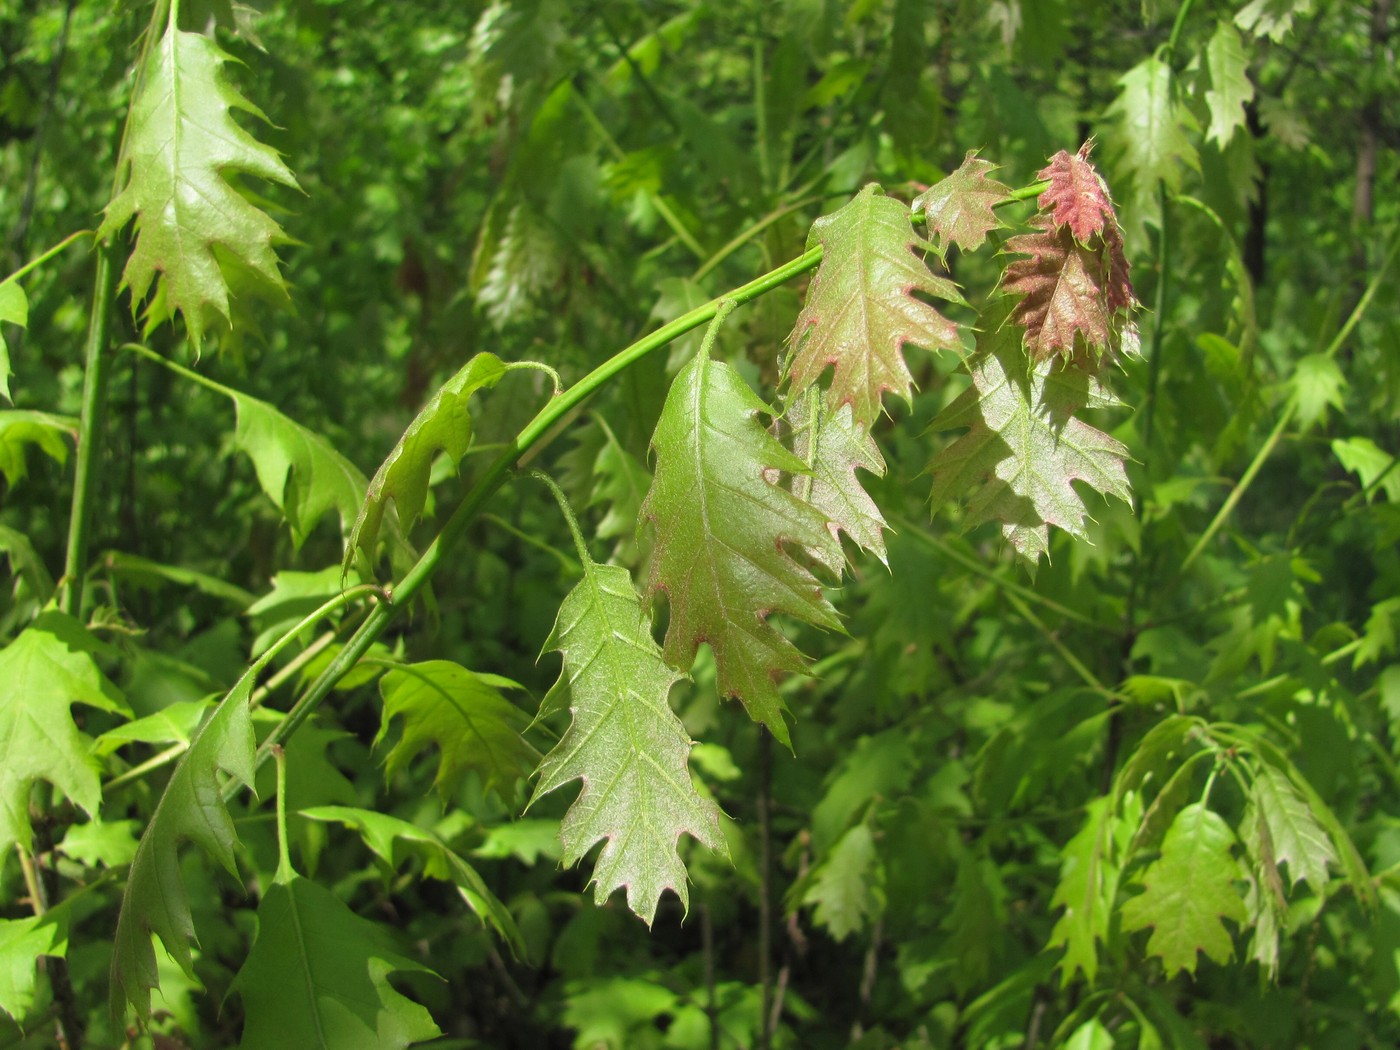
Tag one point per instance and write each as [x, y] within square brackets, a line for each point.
[1150, 128]
[1230, 89]
[1089, 871]
[443, 425]
[1294, 835]
[1318, 384]
[861, 310]
[833, 447]
[317, 977]
[191, 807]
[464, 714]
[1373, 465]
[300, 471]
[1271, 18]
[1190, 889]
[394, 841]
[847, 889]
[620, 483]
[20, 428]
[1024, 448]
[720, 528]
[961, 207]
[22, 941]
[194, 227]
[14, 309]
[625, 744]
[1092, 1035]
[43, 672]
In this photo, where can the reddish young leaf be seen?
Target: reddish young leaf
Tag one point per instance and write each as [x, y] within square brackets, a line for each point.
[1077, 194]
[960, 208]
[1066, 290]
[860, 311]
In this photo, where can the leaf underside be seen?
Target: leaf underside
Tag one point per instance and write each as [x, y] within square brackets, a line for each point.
[625, 744]
[194, 226]
[861, 309]
[721, 528]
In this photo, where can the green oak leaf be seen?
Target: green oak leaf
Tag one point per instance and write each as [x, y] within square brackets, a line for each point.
[620, 483]
[23, 427]
[464, 714]
[833, 447]
[1024, 448]
[317, 977]
[394, 841]
[1373, 465]
[861, 310]
[961, 208]
[298, 469]
[25, 563]
[1089, 872]
[443, 425]
[1318, 384]
[195, 228]
[847, 888]
[1190, 889]
[46, 669]
[191, 807]
[1271, 18]
[14, 309]
[1230, 88]
[720, 527]
[625, 744]
[22, 941]
[1295, 835]
[1150, 129]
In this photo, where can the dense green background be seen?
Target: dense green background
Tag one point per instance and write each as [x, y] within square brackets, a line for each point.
[549, 180]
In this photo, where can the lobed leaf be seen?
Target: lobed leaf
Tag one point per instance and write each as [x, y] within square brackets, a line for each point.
[1150, 128]
[1230, 88]
[1271, 18]
[625, 744]
[721, 528]
[961, 208]
[1089, 871]
[465, 715]
[317, 977]
[861, 310]
[443, 425]
[1190, 890]
[833, 447]
[1068, 288]
[1024, 448]
[46, 669]
[847, 888]
[191, 808]
[1077, 196]
[194, 226]
[1295, 837]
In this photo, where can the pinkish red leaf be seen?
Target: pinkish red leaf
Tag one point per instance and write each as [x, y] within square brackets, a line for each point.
[1064, 285]
[1077, 194]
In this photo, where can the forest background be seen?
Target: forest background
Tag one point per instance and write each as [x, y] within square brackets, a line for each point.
[1102, 755]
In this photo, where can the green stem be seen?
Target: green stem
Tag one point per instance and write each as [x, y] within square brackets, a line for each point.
[90, 425]
[1276, 435]
[1077, 665]
[40, 260]
[528, 442]
[1177, 27]
[284, 852]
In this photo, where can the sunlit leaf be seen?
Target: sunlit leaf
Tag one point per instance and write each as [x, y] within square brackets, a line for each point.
[625, 744]
[194, 226]
[22, 942]
[861, 309]
[14, 309]
[720, 529]
[961, 208]
[1230, 87]
[1190, 890]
